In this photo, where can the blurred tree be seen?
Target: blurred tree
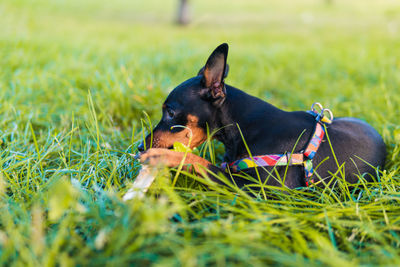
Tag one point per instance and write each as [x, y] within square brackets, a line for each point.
[183, 12]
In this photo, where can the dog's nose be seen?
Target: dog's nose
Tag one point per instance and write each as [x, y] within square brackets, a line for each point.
[141, 147]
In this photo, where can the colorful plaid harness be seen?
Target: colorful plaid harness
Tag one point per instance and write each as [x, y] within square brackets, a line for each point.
[288, 159]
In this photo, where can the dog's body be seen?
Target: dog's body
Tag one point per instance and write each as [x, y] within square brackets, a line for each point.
[205, 101]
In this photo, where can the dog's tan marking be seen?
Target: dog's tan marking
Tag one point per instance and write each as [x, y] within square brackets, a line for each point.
[199, 136]
[196, 135]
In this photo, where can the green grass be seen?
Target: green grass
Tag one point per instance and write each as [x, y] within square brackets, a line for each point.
[76, 76]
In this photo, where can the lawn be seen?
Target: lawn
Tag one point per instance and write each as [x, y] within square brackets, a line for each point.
[80, 82]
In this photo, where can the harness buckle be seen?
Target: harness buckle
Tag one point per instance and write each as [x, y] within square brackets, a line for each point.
[321, 112]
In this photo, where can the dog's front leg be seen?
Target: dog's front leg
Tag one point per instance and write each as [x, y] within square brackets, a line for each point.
[169, 158]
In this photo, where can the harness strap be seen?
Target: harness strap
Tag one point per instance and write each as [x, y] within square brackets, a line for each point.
[265, 160]
[311, 150]
[289, 159]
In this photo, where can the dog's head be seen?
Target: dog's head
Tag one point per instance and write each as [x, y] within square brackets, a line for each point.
[191, 105]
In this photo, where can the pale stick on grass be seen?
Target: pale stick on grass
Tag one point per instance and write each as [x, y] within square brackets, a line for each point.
[141, 185]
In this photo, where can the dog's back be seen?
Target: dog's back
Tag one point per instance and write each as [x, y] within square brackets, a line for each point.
[355, 143]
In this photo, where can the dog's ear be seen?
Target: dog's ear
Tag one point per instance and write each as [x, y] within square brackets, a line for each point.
[214, 73]
[201, 71]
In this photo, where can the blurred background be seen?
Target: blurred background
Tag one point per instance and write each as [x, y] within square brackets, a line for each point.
[77, 78]
[130, 54]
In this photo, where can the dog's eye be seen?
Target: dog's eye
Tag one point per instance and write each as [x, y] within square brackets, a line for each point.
[170, 113]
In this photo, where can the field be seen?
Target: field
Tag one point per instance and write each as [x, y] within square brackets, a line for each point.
[79, 80]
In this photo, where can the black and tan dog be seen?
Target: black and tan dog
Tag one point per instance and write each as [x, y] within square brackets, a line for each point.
[206, 101]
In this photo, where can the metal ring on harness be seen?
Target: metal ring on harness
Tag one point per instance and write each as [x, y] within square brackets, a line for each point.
[322, 112]
[316, 104]
[325, 118]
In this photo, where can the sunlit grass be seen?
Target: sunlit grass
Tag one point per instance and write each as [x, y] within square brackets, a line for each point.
[75, 78]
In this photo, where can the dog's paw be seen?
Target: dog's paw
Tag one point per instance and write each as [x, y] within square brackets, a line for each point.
[161, 156]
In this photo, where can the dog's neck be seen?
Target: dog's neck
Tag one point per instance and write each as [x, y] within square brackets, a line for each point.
[259, 122]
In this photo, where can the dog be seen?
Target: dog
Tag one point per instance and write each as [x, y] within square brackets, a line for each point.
[348, 148]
